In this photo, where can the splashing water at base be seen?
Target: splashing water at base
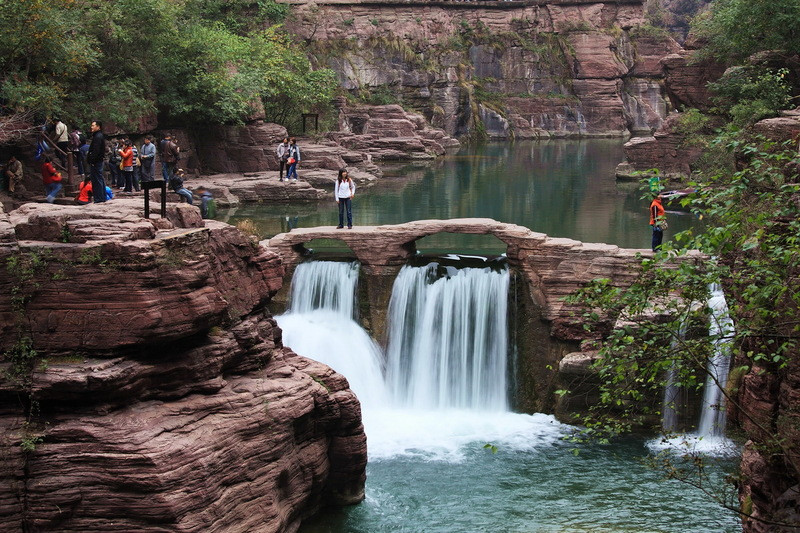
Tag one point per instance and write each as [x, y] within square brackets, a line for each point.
[433, 425]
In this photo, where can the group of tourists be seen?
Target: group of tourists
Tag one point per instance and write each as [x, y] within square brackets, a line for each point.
[125, 164]
[289, 157]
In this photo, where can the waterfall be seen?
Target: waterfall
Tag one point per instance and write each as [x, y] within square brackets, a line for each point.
[320, 324]
[325, 285]
[443, 393]
[712, 417]
[669, 413]
[448, 338]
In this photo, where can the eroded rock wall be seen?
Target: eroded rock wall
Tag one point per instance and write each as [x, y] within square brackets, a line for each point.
[506, 69]
[160, 397]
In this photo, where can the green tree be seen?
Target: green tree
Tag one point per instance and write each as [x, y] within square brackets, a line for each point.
[736, 29]
[200, 61]
[41, 56]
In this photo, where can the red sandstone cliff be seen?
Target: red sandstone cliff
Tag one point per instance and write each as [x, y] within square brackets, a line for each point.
[161, 397]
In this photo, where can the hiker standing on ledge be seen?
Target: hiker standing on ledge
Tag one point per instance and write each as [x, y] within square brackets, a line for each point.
[293, 160]
[657, 221]
[345, 189]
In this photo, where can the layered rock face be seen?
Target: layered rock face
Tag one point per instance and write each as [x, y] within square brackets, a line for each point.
[509, 69]
[666, 150]
[160, 396]
[686, 81]
[389, 133]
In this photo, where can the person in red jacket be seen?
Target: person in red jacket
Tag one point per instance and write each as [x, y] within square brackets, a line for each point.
[657, 221]
[126, 152]
[85, 193]
[51, 179]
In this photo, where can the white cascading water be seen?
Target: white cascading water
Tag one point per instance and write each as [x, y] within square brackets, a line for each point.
[670, 416]
[669, 411]
[327, 285]
[712, 417]
[444, 388]
[710, 435]
[448, 338]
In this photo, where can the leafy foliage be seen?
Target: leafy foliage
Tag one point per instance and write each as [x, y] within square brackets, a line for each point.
[736, 29]
[200, 61]
[749, 94]
[752, 242]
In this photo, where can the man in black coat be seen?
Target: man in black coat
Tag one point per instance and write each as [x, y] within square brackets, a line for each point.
[95, 158]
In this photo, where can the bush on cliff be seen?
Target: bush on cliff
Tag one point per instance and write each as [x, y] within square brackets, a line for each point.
[737, 29]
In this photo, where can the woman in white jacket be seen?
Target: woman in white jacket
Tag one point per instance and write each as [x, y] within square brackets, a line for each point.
[343, 192]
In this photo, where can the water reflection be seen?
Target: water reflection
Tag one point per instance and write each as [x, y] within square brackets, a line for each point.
[564, 188]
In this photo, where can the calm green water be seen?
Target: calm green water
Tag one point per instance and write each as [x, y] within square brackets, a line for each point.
[561, 188]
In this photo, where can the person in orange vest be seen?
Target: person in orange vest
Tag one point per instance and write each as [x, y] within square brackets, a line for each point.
[657, 221]
[126, 153]
[84, 196]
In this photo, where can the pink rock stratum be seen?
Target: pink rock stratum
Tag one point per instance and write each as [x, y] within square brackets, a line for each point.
[167, 402]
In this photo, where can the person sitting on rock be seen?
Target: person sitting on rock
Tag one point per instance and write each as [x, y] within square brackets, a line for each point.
[85, 195]
[13, 175]
[176, 184]
[51, 179]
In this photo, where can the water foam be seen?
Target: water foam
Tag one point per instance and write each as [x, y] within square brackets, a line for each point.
[690, 444]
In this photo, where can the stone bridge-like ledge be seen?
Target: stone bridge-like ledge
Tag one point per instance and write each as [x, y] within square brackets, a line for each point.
[552, 267]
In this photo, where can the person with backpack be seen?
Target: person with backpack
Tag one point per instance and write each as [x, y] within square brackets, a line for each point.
[61, 135]
[208, 208]
[170, 154]
[293, 160]
[657, 221]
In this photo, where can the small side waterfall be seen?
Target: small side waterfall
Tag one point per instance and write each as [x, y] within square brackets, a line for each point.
[669, 411]
[672, 404]
[448, 338]
[712, 418]
[327, 285]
